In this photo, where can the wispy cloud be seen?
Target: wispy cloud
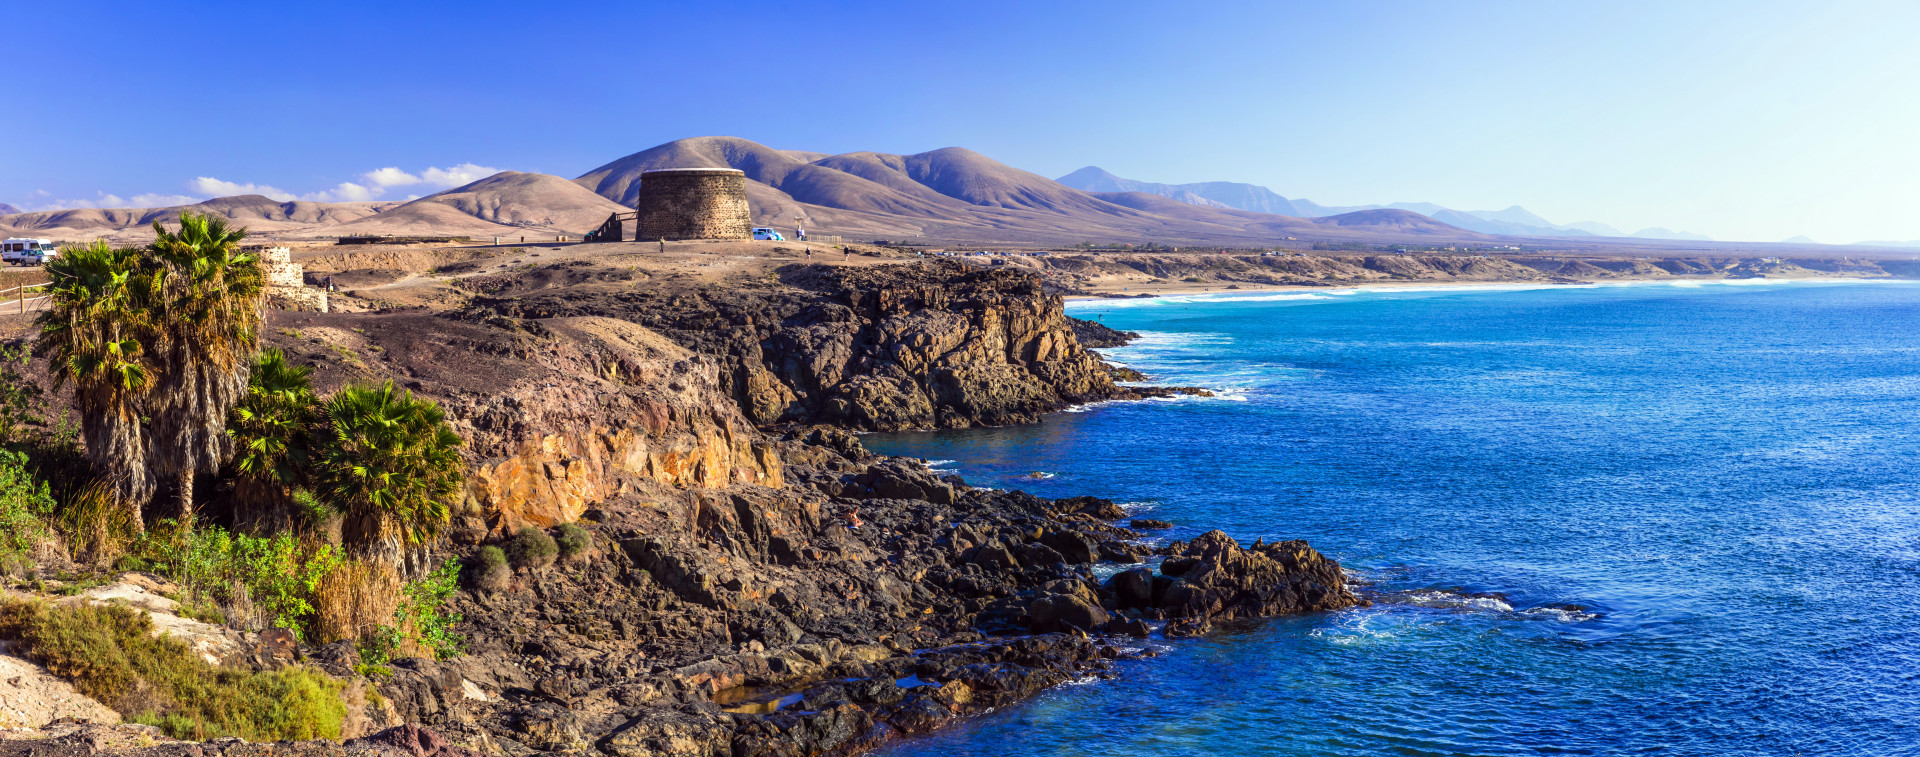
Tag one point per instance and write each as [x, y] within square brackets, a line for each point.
[391, 176]
[152, 200]
[465, 173]
[347, 191]
[372, 185]
[207, 185]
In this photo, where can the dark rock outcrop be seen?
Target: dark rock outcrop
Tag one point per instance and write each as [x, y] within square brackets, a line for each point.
[1096, 335]
[939, 345]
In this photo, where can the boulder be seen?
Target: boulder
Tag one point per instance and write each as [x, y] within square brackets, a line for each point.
[1218, 579]
[1077, 548]
[1122, 552]
[1132, 588]
[996, 555]
[1062, 612]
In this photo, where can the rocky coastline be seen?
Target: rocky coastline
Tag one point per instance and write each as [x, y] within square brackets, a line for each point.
[760, 584]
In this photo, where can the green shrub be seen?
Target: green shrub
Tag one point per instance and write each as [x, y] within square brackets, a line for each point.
[273, 579]
[490, 557]
[423, 614]
[25, 504]
[532, 548]
[110, 654]
[573, 540]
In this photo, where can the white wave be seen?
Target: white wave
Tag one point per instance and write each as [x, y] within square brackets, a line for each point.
[1090, 406]
[1560, 614]
[1451, 601]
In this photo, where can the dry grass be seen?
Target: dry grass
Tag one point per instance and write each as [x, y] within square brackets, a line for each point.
[355, 600]
[96, 525]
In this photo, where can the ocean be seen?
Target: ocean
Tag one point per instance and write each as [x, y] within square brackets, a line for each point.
[1675, 519]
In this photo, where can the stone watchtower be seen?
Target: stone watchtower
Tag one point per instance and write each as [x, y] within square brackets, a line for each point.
[694, 203]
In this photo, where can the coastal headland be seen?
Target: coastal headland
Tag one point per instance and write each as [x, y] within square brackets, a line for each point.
[757, 582]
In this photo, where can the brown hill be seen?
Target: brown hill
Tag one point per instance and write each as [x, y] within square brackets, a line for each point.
[259, 214]
[955, 194]
[7, 210]
[945, 195]
[505, 203]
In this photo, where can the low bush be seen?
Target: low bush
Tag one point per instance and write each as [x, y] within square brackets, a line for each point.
[111, 655]
[532, 548]
[574, 541]
[423, 618]
[488, 571]
[25, 505]
[422, 625]
[261, 581]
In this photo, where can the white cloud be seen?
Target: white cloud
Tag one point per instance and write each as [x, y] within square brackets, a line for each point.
[347, 191]
[391, 176]
[465, 173]
[100, 200]
[154, 200]
[373, 185]
[208, 185]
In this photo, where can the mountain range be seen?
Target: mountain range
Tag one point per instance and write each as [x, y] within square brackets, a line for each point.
[946, 196]
[942, 196]
[1514, 221]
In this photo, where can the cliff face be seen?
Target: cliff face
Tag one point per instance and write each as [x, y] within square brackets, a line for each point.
[558, 415]
[887, 348]
[749, 595]
[803, 621]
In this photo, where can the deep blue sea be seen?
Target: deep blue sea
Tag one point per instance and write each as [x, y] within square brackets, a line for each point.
[1721, 480]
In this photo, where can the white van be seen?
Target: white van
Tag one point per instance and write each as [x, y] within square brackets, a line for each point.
[27, 251]
[766, 234]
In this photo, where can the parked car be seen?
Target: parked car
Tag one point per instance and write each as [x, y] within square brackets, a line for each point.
[765, 234]
[27, 251]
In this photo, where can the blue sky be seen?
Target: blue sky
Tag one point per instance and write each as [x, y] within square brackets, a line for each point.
[1747, 120]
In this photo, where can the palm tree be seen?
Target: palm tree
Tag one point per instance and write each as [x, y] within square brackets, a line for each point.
[272, 427]
[211, 300]
[392, 465]
[95, 335]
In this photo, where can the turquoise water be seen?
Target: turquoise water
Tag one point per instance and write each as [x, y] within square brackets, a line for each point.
[1603, 520]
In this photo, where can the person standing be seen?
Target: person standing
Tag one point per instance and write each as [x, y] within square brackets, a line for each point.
[800, 233]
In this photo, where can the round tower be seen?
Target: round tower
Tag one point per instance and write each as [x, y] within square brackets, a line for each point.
[693, 203]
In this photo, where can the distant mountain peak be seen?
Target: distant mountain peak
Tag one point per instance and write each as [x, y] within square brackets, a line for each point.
[1208, 194]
